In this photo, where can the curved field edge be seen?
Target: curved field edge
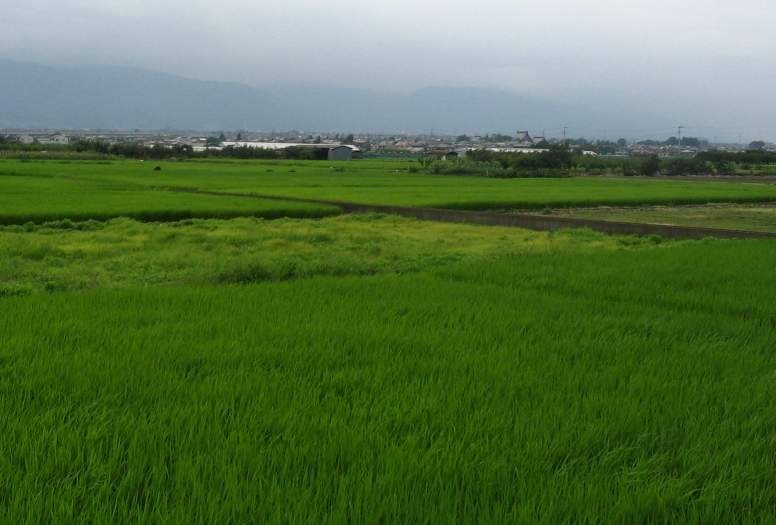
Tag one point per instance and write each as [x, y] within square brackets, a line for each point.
[542, 195]
[276, 211]
[39, 199]
[501, 205]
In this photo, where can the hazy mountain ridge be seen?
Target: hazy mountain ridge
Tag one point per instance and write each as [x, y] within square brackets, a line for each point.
[124, 98]
[39, 96]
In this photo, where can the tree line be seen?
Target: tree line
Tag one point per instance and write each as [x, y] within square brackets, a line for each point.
[559, 160]
[132, 150]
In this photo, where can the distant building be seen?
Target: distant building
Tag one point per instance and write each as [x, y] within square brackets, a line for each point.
[442, 154]
[57, 138]
[518, 150]
[324, 151]
[340, 153]
[358, 153]
[27, 139]
[524, 139]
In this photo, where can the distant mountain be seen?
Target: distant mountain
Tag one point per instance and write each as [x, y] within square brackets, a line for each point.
[123, 98]
[440, 108]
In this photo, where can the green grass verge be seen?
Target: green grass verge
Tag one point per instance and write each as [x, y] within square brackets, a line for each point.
[125, 253]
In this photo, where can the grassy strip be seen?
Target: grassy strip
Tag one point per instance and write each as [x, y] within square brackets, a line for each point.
[754, 217]
[67, 255]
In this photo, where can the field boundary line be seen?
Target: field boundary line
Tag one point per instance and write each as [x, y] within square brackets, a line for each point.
[761, 179]
[520, 220]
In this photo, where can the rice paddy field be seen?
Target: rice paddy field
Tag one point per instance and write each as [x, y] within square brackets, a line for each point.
[368, 182]
[370, 368]
[42, 198]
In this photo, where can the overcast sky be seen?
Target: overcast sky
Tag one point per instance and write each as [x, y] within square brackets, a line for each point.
[711, 62]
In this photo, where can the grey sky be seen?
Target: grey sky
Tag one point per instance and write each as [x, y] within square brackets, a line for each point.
[711, 62]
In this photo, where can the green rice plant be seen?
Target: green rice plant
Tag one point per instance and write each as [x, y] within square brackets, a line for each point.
[550, 385]
[369, 368]
[39, 199]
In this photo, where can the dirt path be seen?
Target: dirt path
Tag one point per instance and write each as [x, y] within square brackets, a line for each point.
[521, 220]
[550, 223]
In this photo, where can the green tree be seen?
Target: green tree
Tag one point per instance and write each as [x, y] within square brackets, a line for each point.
[650, 166]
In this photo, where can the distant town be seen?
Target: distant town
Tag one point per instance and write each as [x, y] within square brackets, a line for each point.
[346, 146]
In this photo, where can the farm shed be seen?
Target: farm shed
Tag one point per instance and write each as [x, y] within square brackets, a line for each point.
[341, 153]
[321, 151]
[443, 154]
